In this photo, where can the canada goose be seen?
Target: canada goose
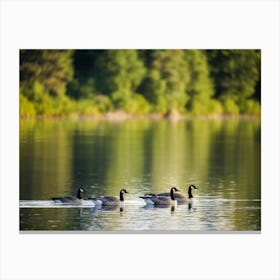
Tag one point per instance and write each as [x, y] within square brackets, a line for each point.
[158, 199]
[180, 197]
[109, 200]
[70, 199]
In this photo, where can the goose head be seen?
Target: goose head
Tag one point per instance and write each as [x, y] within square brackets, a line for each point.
[80, 190]
[172, 190]
[122, 191]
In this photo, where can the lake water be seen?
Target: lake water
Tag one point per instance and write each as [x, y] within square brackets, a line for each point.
[221, 157]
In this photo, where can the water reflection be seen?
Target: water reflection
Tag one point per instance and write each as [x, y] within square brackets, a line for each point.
[207, 214]
[222, 157]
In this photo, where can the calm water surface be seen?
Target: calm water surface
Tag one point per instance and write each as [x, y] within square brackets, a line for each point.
[222, 157]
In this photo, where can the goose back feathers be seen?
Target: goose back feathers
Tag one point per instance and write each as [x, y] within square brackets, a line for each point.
[180, 197]
[110, 200]
[70, 199]
[157, 199]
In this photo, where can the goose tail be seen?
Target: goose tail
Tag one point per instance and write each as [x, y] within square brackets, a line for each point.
[97, 201]
[147, 199]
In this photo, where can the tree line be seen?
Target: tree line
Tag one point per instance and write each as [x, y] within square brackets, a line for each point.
[94, 82]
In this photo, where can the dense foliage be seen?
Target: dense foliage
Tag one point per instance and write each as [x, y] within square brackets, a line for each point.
[92, 82]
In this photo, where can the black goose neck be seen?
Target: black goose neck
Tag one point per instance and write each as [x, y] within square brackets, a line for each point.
[79, 194]
[121, 196]
[190, 192]
[172, 194]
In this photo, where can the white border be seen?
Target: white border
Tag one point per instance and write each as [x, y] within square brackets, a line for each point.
[133, 24]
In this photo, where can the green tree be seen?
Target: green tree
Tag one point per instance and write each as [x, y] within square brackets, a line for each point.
[200, 87]
[166, 81]
[89, 82]
[235, 74]
[53, 69]
[117, 74]
[83, 85]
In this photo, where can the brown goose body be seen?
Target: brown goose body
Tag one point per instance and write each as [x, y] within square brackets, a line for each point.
[110, 200]
[157, 199]
[180, 197]
[70, 199]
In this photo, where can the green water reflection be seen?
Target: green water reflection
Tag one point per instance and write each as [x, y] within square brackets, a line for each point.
[221, 156]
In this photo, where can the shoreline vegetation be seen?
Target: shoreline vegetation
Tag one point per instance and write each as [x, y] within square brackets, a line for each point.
[123, 116]
[135, 84]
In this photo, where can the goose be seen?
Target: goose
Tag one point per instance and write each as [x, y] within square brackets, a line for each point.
[180, 197]
[158, 199]
[70, 199]
[107, 201]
